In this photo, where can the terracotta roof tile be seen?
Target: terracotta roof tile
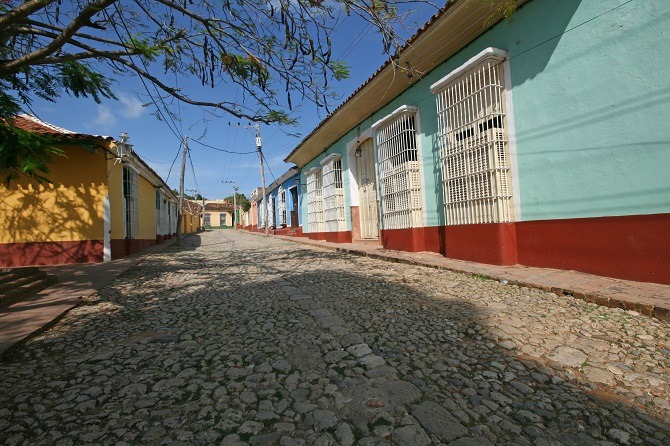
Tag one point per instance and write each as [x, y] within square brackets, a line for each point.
[33, 124]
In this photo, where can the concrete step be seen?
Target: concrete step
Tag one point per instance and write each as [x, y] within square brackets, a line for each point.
[368, 242]
[18, 285]
[11, 274]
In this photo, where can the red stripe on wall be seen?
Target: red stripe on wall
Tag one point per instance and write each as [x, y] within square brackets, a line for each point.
[123, 247]
[631, 247]
[494, 243]
[50, 253]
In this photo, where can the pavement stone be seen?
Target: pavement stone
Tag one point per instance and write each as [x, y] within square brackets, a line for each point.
[235, 338]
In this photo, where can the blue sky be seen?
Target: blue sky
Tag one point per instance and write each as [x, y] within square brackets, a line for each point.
[354, 41]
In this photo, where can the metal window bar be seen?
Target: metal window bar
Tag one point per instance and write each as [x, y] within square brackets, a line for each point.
[271, 211]
[131, 206]
[315, 222]
[333, 196]
[399, 174]
[474, 149]
[282, 207]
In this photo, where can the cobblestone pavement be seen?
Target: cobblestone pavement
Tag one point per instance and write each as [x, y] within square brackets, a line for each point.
[241, 339]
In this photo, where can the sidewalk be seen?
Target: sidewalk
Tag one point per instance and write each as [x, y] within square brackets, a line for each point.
[34, 313]
[649, 299]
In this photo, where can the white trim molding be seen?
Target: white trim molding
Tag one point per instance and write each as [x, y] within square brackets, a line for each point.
[488, 53]
[394, 114]
[329, 158]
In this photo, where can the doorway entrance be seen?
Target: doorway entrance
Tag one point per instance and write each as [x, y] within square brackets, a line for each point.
[367, 191]
[294, 210]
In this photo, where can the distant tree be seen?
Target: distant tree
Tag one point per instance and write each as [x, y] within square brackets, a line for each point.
[274, 50]
[242, 201]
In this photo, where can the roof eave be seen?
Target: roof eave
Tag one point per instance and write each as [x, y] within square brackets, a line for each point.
[456, 25]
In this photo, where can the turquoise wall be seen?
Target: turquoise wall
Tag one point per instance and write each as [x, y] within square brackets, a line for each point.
[591, 92]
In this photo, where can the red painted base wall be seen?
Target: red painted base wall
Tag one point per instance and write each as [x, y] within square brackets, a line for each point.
[333, 237]
[632, 247]
[124, 247]
[50, 253]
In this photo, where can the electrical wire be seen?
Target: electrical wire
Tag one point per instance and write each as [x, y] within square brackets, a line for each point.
[173, 161]
[175, 131]
[222, 150]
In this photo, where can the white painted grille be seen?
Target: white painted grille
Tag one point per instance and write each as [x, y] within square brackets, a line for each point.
[333, 196]
[130, 197]
[282, 206]
[315, 221]
[399, 173]
[271, 211]
[473, 146]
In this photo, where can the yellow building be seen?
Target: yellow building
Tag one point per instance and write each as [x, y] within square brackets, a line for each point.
[218, 214]
[97, 207]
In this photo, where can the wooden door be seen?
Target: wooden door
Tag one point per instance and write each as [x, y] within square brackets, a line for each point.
[367, 191]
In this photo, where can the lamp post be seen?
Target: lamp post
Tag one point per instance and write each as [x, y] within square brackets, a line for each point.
[235, 189]
[123, 147]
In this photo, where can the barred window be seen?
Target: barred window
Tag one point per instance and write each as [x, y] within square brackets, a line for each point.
[333, 194]
[130, 198]
[271, 211]
[473, 141]
[399, 172]
[282, 206]
[315, 221]
[261, 214]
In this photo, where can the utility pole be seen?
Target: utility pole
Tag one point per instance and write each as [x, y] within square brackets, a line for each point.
[259, 145]
[235, 189]
[235, 206]
[181, 190]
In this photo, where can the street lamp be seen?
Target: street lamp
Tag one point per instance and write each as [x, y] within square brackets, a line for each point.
[123, 147]
[235, 189]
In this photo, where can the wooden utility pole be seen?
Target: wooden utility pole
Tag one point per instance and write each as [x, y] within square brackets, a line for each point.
[259, 145]
[181, 190]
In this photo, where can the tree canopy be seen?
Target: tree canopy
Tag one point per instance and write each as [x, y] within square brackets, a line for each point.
[277, 51]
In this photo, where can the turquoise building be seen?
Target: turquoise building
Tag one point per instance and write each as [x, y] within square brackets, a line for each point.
[540, 140]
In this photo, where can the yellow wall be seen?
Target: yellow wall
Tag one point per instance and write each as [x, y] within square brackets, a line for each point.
[70, 209]
[190, 223]
[115, 179]
[220, 218]
[146, 201]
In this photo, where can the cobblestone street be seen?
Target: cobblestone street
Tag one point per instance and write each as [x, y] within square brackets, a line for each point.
[237, 339]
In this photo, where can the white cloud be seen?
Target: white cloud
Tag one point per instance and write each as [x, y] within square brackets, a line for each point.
[103, 120]
[132, 107]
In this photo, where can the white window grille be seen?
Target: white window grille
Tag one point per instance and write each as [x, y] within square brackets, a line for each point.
[271, 211]
[315, 222]
[261, 214]
[159, 201]
[282, 206]
[333, 194]
[473, 141]
[399, 172]
[207, 220]
[130, 198]
[223, 220]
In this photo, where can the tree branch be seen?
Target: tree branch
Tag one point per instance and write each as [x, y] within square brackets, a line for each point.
[63, 38]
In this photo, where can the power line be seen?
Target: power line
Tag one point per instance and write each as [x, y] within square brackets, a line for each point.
[174, 130]
[172, 165]
[197, 187]
[222, 150]
[268, 164]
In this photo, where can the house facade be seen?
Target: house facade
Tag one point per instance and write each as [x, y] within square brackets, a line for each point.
[99, 206]
[218, 214]
[505, 142]
[283, 201]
